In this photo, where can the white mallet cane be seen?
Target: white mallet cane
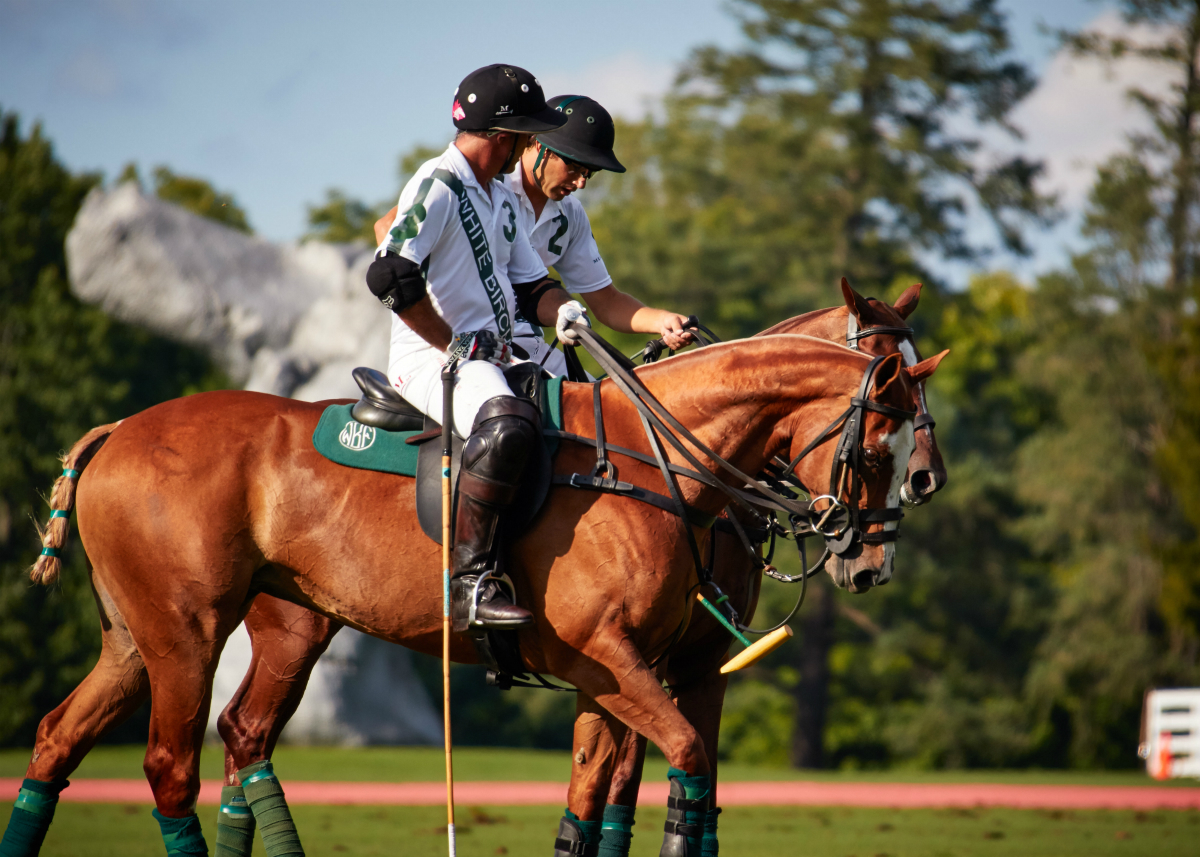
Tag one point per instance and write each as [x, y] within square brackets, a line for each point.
[447, 423]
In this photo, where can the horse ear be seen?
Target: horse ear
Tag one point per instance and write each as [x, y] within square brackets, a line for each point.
[908, 301]
[888, 371]
[855, 302]
[925, 368]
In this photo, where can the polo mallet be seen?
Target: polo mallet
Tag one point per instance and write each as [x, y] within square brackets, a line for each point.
[753, 651]
[447, 441]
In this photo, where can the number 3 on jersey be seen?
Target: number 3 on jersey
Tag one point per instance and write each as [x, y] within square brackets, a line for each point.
[510, 231]
[553, 246]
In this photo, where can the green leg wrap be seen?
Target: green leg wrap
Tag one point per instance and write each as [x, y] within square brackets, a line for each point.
[30, 819]
[235, 824]
[708, 845]
[182, 836]
[616, 831]
[686, 813]
[265, 797]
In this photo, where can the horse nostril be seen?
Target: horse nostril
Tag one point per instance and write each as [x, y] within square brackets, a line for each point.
[923, 483]
[862, 580]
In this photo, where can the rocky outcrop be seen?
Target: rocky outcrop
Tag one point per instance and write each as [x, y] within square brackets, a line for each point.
[278, 318]
[288, 319]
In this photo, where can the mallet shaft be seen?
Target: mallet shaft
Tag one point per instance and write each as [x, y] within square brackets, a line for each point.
[447, 444]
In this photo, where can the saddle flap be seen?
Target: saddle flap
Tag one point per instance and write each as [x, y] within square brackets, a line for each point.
[429, 477]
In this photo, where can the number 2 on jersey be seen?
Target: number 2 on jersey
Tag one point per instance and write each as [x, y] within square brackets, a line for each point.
[562, 230]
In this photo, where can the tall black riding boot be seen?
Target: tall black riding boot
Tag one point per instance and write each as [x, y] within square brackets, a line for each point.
[493, 459]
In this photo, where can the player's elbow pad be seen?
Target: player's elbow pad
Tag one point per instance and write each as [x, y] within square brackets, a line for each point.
[530, 294]
[397, 282]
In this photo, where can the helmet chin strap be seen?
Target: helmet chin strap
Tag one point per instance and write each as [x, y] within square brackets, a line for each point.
[542, 161]
[512, 153]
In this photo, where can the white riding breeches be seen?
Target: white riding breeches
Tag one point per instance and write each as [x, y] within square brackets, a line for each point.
[418, 377]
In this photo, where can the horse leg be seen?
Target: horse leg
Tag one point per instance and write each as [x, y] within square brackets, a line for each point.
[621, 681]
[181, 674]
[616, 832]
[701, 701]
[109, 694]
[286, 641]
[597, 743]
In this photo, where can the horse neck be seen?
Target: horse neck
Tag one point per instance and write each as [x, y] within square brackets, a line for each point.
[744, 400]
[828, 324]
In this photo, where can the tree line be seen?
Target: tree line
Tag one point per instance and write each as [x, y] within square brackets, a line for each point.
[1053, 581]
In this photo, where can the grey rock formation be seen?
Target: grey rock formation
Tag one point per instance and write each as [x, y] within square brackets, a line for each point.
[272, 315]
[287, 319]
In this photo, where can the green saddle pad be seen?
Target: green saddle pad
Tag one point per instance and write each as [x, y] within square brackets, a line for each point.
[344, 440]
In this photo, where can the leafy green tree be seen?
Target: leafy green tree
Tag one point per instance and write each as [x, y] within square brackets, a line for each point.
[64, 367]
[826, 148]
[832, 145]
[342, 219]
[196, 195]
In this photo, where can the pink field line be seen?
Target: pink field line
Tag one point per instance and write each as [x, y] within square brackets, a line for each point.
[731, 794]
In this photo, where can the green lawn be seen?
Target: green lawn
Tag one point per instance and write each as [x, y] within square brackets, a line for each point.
[407, 764]
[95, 830]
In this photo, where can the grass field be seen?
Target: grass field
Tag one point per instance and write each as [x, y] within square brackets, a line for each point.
[425, 764]
[102, 830]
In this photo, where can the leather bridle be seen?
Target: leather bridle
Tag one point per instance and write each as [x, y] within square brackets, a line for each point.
[840, 523]
[854, 334]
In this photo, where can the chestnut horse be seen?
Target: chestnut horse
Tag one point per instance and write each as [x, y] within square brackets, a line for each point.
[190, 509]
[287, 639]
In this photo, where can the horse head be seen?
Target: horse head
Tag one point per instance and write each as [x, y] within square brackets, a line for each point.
[866, 471]
[926, 470]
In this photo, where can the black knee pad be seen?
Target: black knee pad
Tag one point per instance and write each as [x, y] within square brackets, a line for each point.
[505, 430]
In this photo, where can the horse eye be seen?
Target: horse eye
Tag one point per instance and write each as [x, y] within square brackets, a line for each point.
[871, 456]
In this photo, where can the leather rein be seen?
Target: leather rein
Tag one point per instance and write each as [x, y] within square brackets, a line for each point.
[840, 524]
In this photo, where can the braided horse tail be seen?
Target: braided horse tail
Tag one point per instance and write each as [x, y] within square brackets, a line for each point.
[62, 500]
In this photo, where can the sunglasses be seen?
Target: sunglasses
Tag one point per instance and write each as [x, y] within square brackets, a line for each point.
[575, 168]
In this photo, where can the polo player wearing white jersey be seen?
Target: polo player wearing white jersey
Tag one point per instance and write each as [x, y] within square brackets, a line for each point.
[453, 268]
[555, 165]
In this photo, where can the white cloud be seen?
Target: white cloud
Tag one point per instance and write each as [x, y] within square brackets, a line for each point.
[1079, 115]
[628, 85]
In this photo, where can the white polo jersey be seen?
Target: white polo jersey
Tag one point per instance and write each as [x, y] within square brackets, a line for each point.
[562, 238]
[469, 245]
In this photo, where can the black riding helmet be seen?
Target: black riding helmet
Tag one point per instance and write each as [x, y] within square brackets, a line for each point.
[588, 136]
[503, 97]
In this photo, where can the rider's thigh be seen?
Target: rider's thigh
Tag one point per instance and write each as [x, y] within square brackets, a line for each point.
[420, 382]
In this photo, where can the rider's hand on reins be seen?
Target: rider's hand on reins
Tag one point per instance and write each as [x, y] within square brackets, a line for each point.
[674, 330]
[568, 313]
[681, 334]
[479, 345]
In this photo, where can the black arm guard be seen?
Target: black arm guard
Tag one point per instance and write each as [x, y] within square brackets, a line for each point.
[397, 282]
[530, 294]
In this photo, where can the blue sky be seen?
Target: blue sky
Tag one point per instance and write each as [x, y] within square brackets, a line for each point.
[277, 102]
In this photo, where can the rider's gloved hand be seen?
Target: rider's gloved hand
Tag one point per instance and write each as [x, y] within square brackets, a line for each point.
[571, 311]
[480, 345]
